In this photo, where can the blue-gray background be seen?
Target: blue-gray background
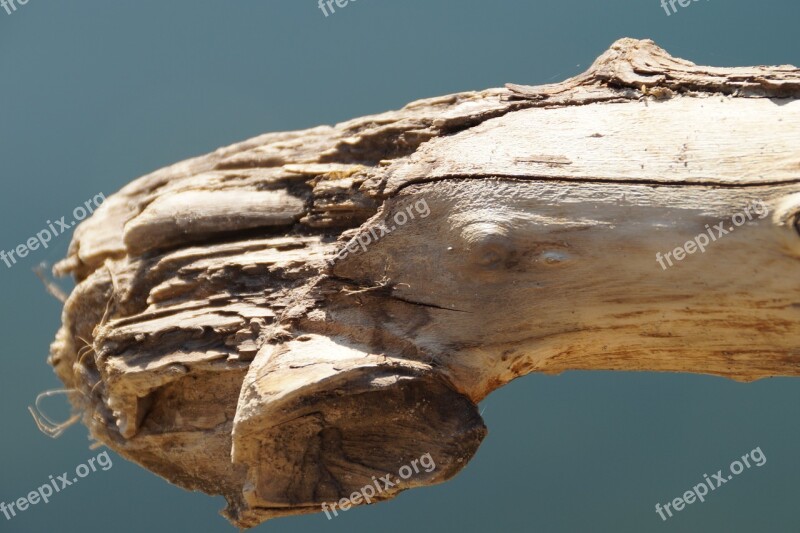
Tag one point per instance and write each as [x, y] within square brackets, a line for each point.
[94, 93]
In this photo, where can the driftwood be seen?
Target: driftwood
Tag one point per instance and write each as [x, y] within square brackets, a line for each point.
[285, 319]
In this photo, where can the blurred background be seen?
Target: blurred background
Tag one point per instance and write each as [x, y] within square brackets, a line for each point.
[96, 93]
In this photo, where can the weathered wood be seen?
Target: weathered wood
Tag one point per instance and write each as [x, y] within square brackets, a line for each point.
[284, 319]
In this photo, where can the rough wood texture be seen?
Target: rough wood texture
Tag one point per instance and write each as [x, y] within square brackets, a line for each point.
[229, 333]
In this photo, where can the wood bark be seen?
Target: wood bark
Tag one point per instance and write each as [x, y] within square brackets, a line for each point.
[230, 332]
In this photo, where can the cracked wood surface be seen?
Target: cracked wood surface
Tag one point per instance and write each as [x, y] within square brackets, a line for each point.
[219, 337]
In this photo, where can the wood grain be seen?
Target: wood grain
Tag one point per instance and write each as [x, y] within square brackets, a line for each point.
[284, 319]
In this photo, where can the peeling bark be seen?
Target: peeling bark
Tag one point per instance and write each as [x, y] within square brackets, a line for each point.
[229, 333]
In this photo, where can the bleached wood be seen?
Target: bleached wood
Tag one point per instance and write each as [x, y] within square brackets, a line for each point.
[229, 332]
[690, 141]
